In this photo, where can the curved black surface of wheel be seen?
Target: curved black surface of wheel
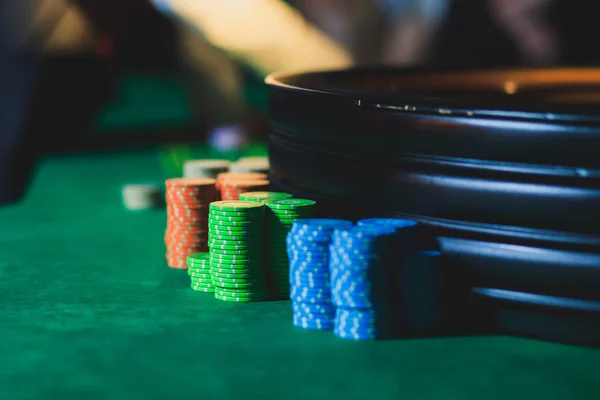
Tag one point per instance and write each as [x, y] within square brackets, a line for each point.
[500, 167]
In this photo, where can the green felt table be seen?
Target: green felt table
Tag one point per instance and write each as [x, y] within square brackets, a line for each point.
[90, 310]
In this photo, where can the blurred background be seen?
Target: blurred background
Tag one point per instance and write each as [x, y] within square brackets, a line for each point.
[90, 74]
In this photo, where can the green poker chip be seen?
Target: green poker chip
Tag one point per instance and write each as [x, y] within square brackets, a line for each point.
[291, 204]
[256, 216]
[237, 299]
[238, 272]
[236, 243]
[219, 255]
[197, 258]
[236, 206]
[261, 196]
[203, 289]
[241, 292]
[233, 224]
[238, 228]
[222, 220]
[234, 246]
[235, 261]
[198, 268]
[202, 285]
[238, 233]
[246, 284]
[226, 275]
[247, 254]
[249, 237]
[200, 276]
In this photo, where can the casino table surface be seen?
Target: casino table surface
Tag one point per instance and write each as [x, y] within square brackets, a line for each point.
[90, 310]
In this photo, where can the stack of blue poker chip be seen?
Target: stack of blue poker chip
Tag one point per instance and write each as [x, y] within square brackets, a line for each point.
[422, 303]
[361, 288]
[405, 229]
[308, 251]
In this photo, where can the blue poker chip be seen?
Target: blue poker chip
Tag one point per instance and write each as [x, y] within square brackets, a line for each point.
[370, 323]
[309, 285]
[301, 271]
[320, 223]
[308, 266]
[325, 307]
[310, 255]
[305, 241]
[309, 248]
[363, 232]
[397, 223]
[307, 295]
[312, 314]
[317, 274]
[350, 335]
[319, 265]
[325, 321]
[312, 323]
[300, 278]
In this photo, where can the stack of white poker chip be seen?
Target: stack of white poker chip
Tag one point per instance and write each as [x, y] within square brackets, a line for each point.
[204, 168]
[142, 196]
[251, 164]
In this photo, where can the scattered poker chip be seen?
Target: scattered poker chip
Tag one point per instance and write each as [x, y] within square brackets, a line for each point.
[262, 196]
[142, 196]
[237, 252]
[205, 168]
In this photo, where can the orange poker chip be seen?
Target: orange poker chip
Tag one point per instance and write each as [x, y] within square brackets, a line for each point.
[188, 202]
[231, 188]
[196, 182]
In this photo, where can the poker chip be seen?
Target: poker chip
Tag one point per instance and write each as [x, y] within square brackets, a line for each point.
[361, 264]
[187, 218]
[279, 220]
[205, 168]
[420, 283]
[231, 184]
[262, 196]
[199, 272]
[237, 250]
[142, 196]
[363, 324]
[231, 188]
[250, 164]
[309, 277]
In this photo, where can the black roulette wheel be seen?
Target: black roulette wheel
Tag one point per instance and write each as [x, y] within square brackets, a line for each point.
[501, 168]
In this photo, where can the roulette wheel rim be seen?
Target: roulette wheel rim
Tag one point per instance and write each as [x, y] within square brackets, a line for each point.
[480, 168]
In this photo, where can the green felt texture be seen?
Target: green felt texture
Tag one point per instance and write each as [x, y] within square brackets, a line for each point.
[91, 311]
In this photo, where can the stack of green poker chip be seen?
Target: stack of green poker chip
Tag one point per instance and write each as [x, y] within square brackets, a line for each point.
[199, 272]
[262, 196]
[236, 232]
[281, 214]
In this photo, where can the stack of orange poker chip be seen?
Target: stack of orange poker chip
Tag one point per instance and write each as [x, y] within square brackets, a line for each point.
[231, 177]
[187, 218]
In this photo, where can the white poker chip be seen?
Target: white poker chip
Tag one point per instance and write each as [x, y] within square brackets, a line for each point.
[251, 164]
[206, 168]
[142, 196]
